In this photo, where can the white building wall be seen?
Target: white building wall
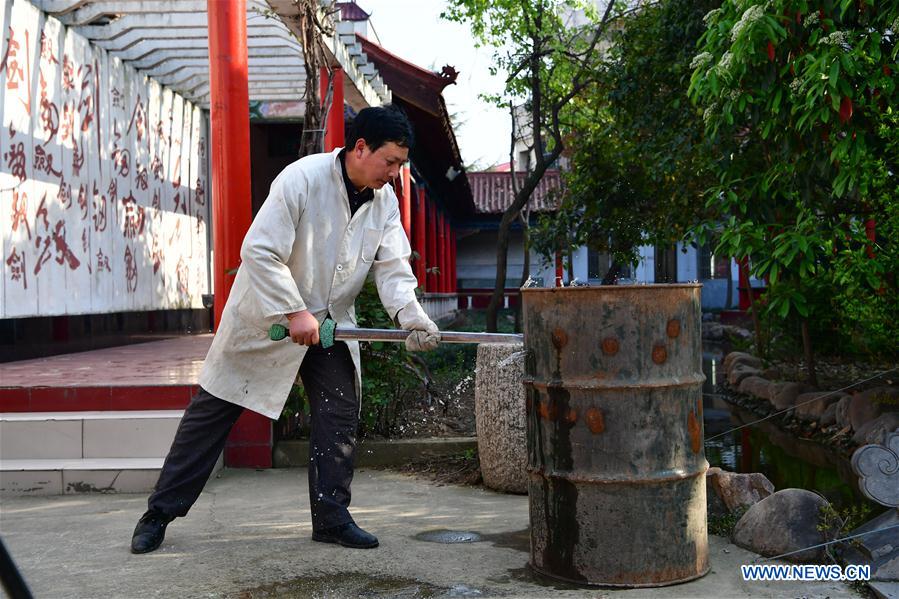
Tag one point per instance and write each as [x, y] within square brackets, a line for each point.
[103, 179]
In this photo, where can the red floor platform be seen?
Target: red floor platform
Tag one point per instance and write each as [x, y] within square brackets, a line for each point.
[159, 375]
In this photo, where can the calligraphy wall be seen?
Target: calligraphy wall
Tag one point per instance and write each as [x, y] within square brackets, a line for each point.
[102, 179]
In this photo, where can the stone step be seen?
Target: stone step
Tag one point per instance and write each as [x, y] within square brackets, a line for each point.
[87, 435]
[68, 476]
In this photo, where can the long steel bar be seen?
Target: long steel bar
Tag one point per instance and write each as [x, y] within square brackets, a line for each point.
[445, 336]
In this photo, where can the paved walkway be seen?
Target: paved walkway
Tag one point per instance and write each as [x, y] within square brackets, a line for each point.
[174, 361]
[249, 537]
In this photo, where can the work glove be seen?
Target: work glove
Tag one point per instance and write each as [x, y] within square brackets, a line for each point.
[425, 335]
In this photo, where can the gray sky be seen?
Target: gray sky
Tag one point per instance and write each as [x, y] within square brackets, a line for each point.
[414, 31]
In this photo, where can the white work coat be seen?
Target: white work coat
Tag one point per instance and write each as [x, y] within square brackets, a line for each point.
[304, 252]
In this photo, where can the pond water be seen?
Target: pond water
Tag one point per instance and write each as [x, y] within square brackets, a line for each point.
[787, 461]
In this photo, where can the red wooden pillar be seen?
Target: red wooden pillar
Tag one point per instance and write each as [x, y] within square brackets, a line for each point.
[334, 126]
[454, 277]
[441, 252]
[406, 201]
[447, 259]
[431, 261]
[250, 442]
[743, 286]
[419, 233]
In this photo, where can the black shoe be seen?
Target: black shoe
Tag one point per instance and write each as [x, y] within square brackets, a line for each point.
[348, 535]
[149, 532]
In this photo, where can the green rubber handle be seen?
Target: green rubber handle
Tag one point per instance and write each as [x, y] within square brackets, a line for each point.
[277, 332]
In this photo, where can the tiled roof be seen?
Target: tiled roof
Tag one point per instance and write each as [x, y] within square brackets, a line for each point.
[350, 11]
[493, 193]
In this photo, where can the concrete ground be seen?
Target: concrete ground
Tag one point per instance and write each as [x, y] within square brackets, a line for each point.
[249, 536]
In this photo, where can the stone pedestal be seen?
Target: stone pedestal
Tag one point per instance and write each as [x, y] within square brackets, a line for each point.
[499, 406]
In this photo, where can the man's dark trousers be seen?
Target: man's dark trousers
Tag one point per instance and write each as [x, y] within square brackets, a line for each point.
[328, 376]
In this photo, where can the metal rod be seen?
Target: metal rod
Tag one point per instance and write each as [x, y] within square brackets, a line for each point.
[445, 336]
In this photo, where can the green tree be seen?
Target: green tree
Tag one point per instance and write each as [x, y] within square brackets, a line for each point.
[549, 61]
[800, 96]
[639, 162]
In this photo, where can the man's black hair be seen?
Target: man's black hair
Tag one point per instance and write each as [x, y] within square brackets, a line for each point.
[379, 125]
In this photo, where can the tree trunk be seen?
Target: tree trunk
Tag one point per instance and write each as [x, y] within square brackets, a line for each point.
[809, 353]
[525, 271]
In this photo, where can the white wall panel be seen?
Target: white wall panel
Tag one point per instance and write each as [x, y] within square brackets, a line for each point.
[103, 201]
[17, 182]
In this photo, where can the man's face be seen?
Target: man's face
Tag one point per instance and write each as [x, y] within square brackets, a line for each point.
[381, 166]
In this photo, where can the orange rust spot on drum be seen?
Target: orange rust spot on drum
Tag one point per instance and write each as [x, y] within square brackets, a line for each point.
[673, 328]
[560, 338]
[571, 416]
[543, 409]
[595, 421]
[695, 431]
[659, 354]
[610, 346]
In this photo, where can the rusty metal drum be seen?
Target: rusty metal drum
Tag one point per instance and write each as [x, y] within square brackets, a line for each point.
[616, 464]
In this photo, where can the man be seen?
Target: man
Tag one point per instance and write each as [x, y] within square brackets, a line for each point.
[329, 220]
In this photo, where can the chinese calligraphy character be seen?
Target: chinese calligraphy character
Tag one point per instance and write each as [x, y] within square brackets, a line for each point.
[199, 193]
[64, 254]
[42, 212]
[130, 270]
[156, 167]
[138, 118]
[47, 49]
[68, 74]
[82, 201]
[103, 261]
[64, 196]
[77, 158]
[133, 217]
[140, 176]
[183, 274]
[99, 206]
[49, 111]
[20, 211]
[15, 160]
[44, 162]
[16, 263]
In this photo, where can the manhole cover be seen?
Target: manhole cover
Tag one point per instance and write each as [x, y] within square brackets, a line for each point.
[448, 536]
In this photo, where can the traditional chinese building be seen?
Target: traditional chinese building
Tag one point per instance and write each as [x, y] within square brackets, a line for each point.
[120, 214]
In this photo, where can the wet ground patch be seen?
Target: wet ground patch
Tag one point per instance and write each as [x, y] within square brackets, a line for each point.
[351, 584]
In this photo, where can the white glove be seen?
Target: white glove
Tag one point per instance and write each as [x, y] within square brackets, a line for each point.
[425, 335]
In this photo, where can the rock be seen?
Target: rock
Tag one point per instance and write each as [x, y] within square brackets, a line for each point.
[811, 406]
[500, 416]
[875, 430]
[714, 505]
[842, 413]
[739, 373]
[734, 357]
[787, 394]
[757, 386]
[738, 491]
[785, 521]
[829, 416]
[735, 332]
[870, 404]
[712, 331]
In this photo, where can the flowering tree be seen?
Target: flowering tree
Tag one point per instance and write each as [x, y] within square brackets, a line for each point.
[801, 95]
